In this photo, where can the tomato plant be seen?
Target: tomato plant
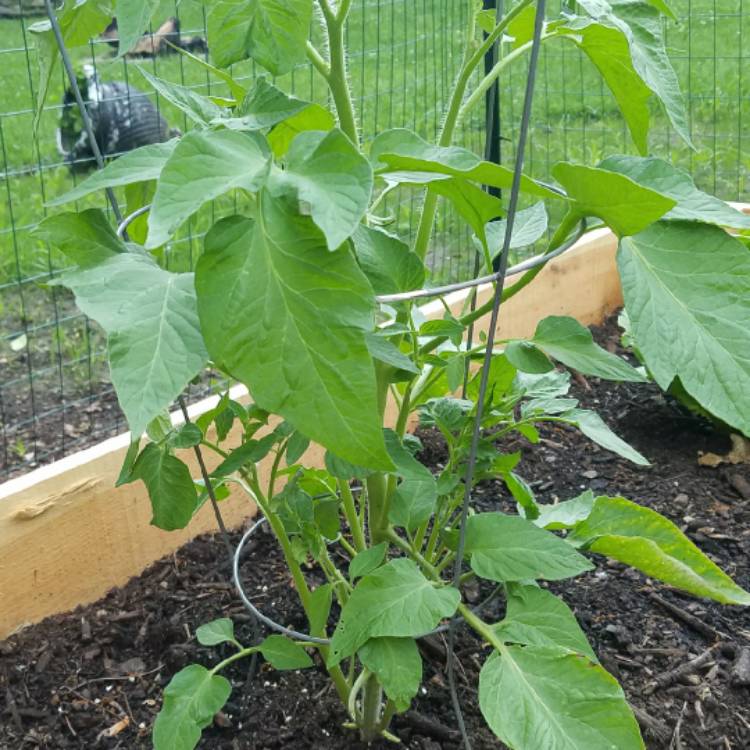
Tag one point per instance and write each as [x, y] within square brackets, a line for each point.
[300, 296]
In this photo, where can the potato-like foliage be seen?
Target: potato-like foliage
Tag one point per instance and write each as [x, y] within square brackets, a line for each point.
[285, 300]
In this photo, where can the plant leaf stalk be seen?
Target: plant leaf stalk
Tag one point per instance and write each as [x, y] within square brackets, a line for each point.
[455, 112]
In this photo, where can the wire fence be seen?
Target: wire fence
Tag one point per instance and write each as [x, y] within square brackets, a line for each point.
[55, 395]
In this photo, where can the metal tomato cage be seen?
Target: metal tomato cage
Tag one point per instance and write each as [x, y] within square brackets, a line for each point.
[498, 278]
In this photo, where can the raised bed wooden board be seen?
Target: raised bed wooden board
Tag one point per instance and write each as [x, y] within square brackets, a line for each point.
[67, 535]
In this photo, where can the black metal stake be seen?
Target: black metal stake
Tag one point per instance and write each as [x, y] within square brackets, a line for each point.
[503, 265]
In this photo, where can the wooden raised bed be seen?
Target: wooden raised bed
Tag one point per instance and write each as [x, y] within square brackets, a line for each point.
[67, 535]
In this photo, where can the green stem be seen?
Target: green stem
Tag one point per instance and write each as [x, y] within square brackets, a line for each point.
[403, 414]
[354, 694]
[348, 547]
[317, 60]
[350, 511]
[478, 94]
[432, 542]
[245, 652]
[340, 585]
[414, 554]
[337, 79]
[480, 627]
[343, 11]
[454, 113]
[390, 710]
[337, 676]
[215, 448]
[280, 451]
[372, 700]
[377, 506]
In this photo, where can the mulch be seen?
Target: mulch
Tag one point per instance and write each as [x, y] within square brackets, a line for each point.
[93, 678]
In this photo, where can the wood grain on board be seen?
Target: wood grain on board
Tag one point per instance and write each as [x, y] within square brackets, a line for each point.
[67, 535]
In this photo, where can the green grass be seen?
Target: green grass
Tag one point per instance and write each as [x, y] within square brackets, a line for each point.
[404, 55]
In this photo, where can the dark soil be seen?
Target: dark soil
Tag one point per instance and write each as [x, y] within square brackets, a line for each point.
[56, 397]
[94, 678]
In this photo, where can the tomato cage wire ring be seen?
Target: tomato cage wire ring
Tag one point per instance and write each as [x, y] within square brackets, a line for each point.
[435, 291]
[295, 634]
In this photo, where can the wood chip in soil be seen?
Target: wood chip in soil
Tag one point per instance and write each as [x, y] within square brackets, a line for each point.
[93, 678]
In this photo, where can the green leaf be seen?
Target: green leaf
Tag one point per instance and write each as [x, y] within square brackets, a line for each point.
[567, 514]
[687, 292]
[148, 314]
[414, 500]
[476, 206]
[160, 427]
[394, 600]
[548, 385]
[272, 32]
[126, 471]
[366, 561]
[385, 351]
[692, 204]
[398, 666]
[288, 318]
[388, 263]
[448, 326]
[79, 22]
[536, 617]
[313, 117]
[509, 548]
[455, 369]
[237, 89]
[529, 226]
[527, 358]
[137, 196]
[522, 494]
[342, 469]
[170, 487]
[521, 28]
[263, 107]
[401, 150]
[644, 539]
[85, 238]
[567, 341]
[191, 700]
[663, 8]
[188, 436]
[296, 446]
[500, 379]
[204, 165]
[283, 653]
[138, 165]
[133, 19]
[327, 171]
[535, 697]
[200, 109]
[608, 50]
[619, 202]
[250, 452]
[594, 428]
[216, 632]
[320, 607]
[642, 26]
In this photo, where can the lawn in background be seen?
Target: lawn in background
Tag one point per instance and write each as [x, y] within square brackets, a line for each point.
[404, 56]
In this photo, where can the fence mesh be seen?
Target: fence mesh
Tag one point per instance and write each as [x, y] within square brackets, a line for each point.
[55, 395]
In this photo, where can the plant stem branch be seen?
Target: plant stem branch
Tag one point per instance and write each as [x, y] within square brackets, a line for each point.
[455, 111]
[350, 511]
[414, 554]
[338, 82]
[317, 61]
[478, 94]
[372, 699]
